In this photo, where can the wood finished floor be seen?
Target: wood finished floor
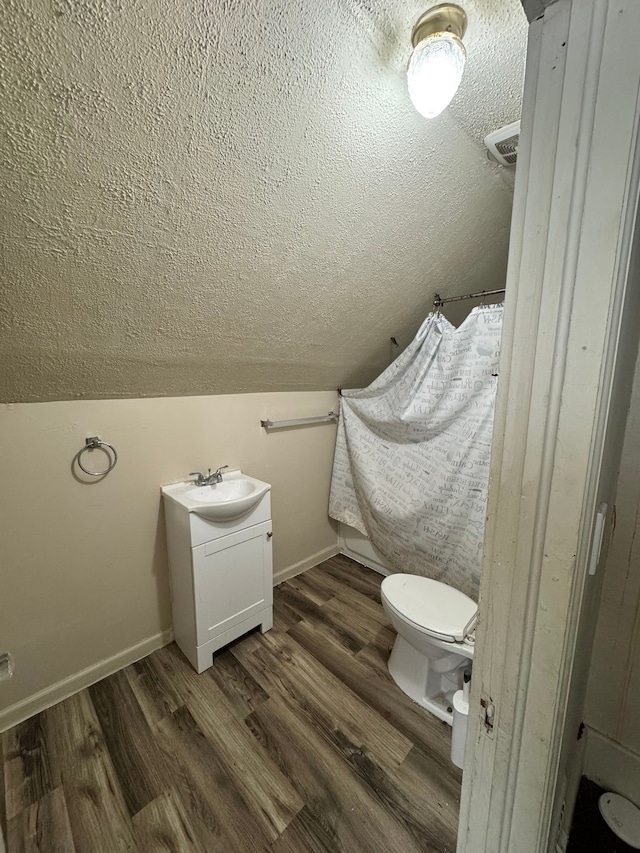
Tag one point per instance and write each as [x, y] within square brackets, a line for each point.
[295, 740]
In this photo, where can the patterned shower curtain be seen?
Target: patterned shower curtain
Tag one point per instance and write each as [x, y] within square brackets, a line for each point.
[411, 466]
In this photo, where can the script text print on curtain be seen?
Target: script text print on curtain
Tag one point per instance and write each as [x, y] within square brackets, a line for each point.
[411, 467]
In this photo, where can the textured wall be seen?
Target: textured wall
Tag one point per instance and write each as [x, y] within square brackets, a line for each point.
[227, 196]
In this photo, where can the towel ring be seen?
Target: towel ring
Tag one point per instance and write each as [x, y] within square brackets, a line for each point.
[90, 444]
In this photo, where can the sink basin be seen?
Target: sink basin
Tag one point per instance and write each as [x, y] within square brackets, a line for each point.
[236, 495]
[231, 491]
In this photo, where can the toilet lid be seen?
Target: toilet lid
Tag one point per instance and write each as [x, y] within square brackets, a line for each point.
[434, 607]
[622, 818]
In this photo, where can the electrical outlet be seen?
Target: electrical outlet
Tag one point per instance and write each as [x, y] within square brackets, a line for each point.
[7, 666]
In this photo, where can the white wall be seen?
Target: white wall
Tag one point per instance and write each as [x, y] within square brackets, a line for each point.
[84, 573]
[613, 698]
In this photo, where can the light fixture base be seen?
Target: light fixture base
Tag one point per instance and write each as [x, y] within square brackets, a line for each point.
[444, 18]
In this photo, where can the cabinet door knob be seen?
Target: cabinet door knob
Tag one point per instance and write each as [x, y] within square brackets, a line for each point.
[269, 534]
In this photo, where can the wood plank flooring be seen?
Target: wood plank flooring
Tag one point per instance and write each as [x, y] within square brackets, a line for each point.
[296, 740]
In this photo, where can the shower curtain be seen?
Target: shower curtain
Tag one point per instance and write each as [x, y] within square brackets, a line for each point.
[411, 466]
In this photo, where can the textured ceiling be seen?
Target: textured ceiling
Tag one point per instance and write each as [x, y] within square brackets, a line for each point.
[229, 196]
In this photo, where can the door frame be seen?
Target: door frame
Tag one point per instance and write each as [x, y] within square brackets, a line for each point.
[568, 339]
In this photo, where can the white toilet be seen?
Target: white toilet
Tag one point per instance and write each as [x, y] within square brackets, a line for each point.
[435, 625]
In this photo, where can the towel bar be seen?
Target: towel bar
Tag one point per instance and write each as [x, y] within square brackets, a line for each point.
[331, 417]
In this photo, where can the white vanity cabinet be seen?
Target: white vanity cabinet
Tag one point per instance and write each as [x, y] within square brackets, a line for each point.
[221, 576]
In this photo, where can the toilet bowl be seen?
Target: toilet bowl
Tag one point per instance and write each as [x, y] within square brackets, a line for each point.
[435, 625]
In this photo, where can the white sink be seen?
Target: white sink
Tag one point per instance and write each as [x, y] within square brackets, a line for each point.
[233, 490]
[236, 495]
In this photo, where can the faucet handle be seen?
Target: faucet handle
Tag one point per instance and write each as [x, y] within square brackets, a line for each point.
[197, 474]
[221, 468]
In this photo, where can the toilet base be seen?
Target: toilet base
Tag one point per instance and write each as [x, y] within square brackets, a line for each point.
[430, 683]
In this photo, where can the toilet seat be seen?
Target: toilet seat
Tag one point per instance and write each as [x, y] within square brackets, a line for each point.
[431, 606]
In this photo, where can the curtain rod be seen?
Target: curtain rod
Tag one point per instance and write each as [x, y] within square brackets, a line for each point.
[438, 301]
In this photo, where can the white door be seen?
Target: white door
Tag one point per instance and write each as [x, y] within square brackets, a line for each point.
[232, 580]
[570, 332]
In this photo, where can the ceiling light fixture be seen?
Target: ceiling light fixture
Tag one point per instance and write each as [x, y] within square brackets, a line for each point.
[437, 60]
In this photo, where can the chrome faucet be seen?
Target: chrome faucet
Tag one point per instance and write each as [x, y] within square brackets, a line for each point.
[210, 479]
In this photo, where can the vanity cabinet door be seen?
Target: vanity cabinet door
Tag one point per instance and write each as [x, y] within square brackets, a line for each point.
[232, 580]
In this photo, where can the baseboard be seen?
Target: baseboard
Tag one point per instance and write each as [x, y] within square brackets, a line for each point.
[612, 766]
[74, 683]
[68, 686]
[308, 563]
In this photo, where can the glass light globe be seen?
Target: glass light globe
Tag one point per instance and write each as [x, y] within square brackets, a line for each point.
[434, 72]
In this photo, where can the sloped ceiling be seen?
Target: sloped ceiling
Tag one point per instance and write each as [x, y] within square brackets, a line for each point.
[218, 197]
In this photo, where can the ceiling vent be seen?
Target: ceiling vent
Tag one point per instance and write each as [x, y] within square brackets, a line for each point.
[503, 144]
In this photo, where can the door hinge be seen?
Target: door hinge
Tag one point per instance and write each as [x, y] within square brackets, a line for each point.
[489, 713]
